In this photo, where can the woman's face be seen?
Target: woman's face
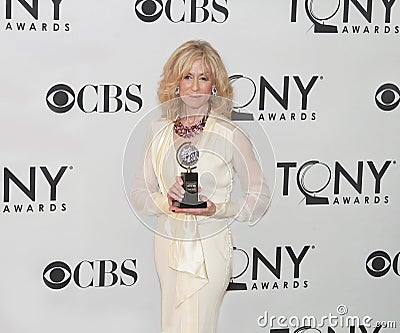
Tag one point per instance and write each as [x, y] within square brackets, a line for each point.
[195, 87]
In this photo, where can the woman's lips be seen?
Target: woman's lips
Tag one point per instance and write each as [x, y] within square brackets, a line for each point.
[197, 96]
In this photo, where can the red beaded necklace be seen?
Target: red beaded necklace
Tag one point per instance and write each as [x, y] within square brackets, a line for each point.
[189, 131]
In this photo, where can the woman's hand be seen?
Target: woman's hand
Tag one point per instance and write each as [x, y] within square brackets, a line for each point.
[176, 192]
[208, 211]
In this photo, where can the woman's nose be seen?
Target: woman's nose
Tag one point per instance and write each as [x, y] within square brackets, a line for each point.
[195, 85]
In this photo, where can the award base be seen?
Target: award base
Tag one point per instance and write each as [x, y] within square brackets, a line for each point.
[191, 196]
[200, 204]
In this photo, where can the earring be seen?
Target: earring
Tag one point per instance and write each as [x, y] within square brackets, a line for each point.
[177, 91]
[214, 90]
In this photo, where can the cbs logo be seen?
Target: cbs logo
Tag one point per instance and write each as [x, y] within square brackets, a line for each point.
[379, 263]
[387, 97]
[101, 98]
[96, 273]
[181, 11]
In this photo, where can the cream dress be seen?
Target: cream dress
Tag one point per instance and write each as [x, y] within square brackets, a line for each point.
[193, 253]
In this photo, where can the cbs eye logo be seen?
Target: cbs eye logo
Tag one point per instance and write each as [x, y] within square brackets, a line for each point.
[60, 98]
[148, 10]
[57, 275]
[379, 262]
[387, 97]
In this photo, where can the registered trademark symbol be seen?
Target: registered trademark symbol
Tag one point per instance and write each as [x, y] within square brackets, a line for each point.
[71, 167]
[321, 77]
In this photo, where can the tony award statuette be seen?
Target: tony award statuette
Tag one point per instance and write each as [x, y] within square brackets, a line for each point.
[187, 157]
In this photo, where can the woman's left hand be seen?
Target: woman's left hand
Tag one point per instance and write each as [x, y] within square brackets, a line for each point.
[208, 211]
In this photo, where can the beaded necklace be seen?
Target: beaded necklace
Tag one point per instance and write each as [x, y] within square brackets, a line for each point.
[189, 131]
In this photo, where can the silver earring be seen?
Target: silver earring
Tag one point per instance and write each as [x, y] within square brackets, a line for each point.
[214, 90]
[177, 91]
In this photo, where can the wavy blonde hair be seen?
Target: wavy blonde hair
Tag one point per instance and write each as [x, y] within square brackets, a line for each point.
[178, 66]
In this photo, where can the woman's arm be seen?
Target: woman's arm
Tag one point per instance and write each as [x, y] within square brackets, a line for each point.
[253, 202]
[146, 195]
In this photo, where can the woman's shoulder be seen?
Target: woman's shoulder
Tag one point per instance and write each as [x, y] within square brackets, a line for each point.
[228, 128]
[159, 124]
[224, 124]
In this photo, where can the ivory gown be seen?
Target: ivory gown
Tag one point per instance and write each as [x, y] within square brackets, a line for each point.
[193, 254]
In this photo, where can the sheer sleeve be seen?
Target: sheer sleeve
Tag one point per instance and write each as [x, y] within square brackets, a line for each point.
[254, 197]
[146, 195]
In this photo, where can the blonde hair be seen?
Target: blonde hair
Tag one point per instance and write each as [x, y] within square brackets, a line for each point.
[178, 66]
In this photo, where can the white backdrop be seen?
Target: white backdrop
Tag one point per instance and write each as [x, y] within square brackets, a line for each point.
[338, 115]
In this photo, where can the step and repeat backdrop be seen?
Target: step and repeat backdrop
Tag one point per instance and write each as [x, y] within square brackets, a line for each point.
[320, 78]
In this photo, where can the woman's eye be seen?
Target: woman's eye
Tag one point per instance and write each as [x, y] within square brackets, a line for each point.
[187, 77]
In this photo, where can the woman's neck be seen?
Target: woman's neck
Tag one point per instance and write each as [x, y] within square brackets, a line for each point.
[192, 116]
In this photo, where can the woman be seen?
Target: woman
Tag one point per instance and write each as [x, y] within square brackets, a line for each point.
[193, 245]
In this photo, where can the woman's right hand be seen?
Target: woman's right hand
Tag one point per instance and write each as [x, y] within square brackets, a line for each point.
[176, 191]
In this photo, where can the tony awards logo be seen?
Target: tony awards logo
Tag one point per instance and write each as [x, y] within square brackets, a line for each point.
[187, 156]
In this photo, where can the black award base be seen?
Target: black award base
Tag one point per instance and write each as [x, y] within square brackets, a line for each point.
[200, 204]
[191, 196]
